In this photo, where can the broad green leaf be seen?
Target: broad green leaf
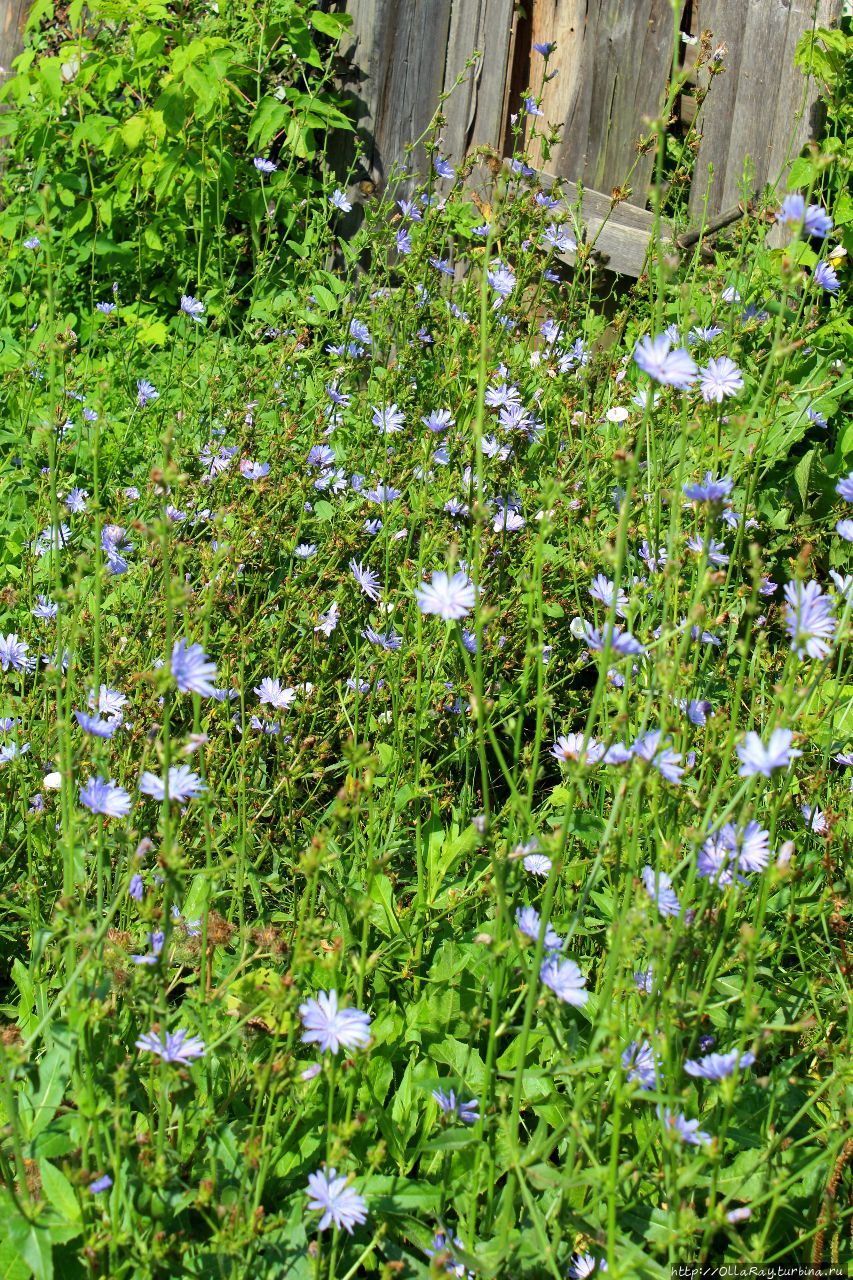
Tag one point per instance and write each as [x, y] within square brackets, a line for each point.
[59, 1191]
[54, 1074]
[33, 1243]
[330, 24]
[270, 116]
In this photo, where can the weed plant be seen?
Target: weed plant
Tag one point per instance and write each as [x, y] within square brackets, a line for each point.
[427, 740]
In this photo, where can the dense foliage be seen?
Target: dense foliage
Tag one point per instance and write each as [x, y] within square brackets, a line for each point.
[135, 127]
[427, 714]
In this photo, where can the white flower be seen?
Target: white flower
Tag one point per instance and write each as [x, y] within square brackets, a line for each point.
[720, 378]
[451, 598]
[332, 1027]
[565, 979]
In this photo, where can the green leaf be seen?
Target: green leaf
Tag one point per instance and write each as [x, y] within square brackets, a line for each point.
[133, 131]
[12, 1265]
[149, 44]
[451, 1140]
[173, 107]
[54, 1073]
[196, 900]
[24, 983]
[50, 74]
[80, 217]
[152, 333]
[330, 24]
[801, 475]
[59, 1192]
[382, 892]
[400, 1196]
[324, 297]
[270, 116]
[32, 1243]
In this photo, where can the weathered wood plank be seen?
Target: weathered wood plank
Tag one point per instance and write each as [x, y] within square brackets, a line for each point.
[622, 234]
[614, 59]
[476, 109]
[760, 107]
[13, 17]
[396, 51]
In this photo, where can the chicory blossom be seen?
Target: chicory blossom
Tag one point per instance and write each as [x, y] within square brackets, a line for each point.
[95, 726]
[270, 693]
[367, 580]
[529, 922]
[755, 758]
[656, 750]
[584, 1265]
[538, 864]
[336, 1200]
[825, 276]
[13, 653]
[449, 597]
[814, 220]
[565, 979]
[183, 784]
[45, 609]
[605, 591]
[659, 888]
[449, 1104]
[332, 1027]
[640, 1064]
[388, 420]
[192, 307]
[687, 1130]
[570, 746]
[720, 378]
[672, 368]
[717, 1066]
[102, 795]
[177, 1046]
[809, 619]
[712, 489]
[192, 670]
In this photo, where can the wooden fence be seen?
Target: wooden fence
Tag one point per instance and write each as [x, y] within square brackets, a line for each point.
[614, 59]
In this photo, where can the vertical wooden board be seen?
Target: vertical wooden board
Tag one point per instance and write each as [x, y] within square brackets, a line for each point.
[475, 109]
[797, 100]
[614, 59]
[717, 16]
[13, 18]
[566, 96]
[761, 106]
[396, 52]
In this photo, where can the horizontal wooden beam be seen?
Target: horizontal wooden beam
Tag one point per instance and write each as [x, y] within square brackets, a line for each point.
[621, 232]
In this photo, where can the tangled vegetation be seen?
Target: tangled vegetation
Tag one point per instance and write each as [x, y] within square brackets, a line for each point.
[427, 713]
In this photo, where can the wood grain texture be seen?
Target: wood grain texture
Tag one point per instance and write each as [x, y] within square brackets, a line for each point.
[475, 111]
[761, 110]
[13, 17]
[621, 234]
[396, 52]
[614, 59]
